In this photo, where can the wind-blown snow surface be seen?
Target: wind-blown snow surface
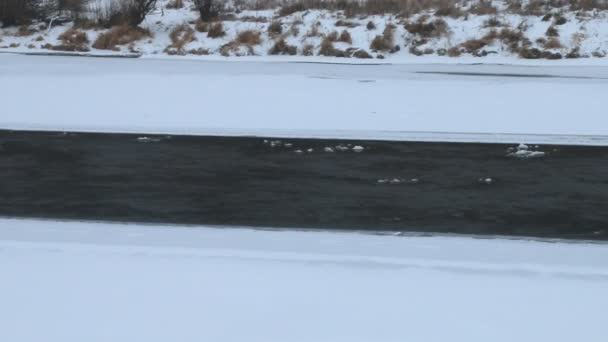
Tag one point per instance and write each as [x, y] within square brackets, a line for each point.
[103, 282]
[400, 102]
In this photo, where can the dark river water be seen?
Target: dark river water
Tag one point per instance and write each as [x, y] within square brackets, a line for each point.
[401, 186]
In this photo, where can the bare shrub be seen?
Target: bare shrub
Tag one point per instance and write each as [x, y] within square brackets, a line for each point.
[370, 25]
[216, 30]
[120, 35]
[281, 47]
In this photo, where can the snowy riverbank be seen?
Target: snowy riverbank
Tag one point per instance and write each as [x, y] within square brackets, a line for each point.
[469, 103]
[496, 31]
[100, 282]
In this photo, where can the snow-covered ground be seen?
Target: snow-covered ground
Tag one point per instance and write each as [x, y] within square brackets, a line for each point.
[583, 32]
[113, 282]
[395, 102]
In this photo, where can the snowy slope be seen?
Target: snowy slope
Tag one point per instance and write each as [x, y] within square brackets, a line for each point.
[397, 102]
[100, 282]
[584, 32]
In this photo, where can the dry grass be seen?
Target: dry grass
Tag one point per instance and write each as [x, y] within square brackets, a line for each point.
[308, 50]
[275, 28]
[473, 45]
[345, 37]
[552, 32]
[72, 40]
[120, 35]
[253, 19]
[492, 22]
[313, 32]
[431, 29]
[216, 30]
[332, 36]
[281, 47]
[327, 48]
[449, 8]
[180, 36]
[385, 42]
[249, 38]
[552, 43]
[346, 23]
[483, 7]
[199, 52]
[174, 4]
[454, 51]
[201, 26]
[361, 54]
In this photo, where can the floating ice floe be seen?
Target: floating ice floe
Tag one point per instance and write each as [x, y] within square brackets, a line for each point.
[523, 151]
[148, 139]
[342, 148]
[396, 180]
[358, 148]
[298, 151]
[486, 180]
[328, 149]
[310, 150]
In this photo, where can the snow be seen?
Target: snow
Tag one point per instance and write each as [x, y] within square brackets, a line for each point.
[113, 282]
[586, 31]
[286, 100]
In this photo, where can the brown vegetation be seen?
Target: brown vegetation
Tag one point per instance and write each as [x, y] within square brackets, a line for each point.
[281, 47]
[216, 30]
[120, 35]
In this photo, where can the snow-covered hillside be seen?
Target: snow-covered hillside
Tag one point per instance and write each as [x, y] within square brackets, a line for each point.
[74, 282]
[485, 37]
